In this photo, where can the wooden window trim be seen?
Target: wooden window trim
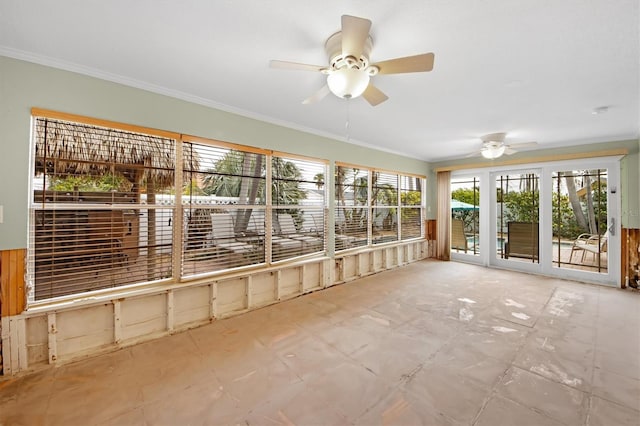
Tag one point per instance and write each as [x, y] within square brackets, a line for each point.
[45, 113]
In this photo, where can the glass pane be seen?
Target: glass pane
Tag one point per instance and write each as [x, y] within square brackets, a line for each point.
[103, 205]
[216, 238]
[217, 175]
[298, 192]
[517, 217]
[296, 182]
[78, 163]
[411, 201]
[384, 200]
[352, 213]
[297, 232]
[580, 234]
[411, 222]
[223, 197]
[465, 215]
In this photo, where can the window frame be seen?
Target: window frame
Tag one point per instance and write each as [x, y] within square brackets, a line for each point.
[339, 244]
[180, 208]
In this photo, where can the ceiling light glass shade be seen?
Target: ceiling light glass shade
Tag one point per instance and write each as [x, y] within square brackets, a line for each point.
[348, 83]
[492, 151]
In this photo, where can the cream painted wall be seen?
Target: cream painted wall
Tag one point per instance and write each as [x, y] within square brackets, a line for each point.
[24, 85]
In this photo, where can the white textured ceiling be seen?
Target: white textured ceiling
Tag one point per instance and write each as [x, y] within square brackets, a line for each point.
[535, 69]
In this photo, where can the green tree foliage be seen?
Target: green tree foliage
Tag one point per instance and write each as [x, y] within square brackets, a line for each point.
[319, 180]
[467, 195]
[411, 198]
[238, 174]
[285, 185]
[521, 206]
[87, 183]
[225, 178]
[350, 180]
[192, 188]
[565, 224]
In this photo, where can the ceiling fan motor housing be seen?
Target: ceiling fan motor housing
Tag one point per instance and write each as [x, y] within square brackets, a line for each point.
[339, 59]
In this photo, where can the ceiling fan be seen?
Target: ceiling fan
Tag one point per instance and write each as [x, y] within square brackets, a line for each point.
[493, 146]
[349, 71]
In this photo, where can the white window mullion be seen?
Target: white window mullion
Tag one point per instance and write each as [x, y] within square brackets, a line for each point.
[268, 216]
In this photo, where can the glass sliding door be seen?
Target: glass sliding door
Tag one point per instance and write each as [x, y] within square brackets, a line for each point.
[580, 220]
[465, 215]
[517, 216]
[557, 219]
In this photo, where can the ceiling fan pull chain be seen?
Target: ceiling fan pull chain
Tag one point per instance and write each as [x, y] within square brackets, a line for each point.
[347, 122]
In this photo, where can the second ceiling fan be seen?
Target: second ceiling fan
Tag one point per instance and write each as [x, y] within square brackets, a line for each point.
[349, 71]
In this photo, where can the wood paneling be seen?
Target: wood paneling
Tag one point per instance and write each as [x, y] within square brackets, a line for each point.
[630, 257]
[12, 285]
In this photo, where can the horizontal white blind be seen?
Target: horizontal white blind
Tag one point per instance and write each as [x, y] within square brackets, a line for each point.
[352, 207]
[384, 201]
[411, 202]
[101, 208]
[224, 202]
[298, 198]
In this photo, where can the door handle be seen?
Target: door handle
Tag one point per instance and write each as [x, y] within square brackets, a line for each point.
[612, 227]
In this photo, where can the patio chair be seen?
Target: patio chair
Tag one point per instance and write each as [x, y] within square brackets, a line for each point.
[458, 238]
[287, 228]
[589, 243]
[522, 240]
[223, 236]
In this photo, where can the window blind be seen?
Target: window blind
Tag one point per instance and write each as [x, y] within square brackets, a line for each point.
[101, 209]
[224, 205]
[298, 207]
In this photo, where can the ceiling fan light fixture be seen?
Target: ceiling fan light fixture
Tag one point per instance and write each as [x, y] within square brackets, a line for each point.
[348, 83]
[492, 150]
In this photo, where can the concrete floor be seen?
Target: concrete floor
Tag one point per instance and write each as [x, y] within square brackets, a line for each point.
[437, 343]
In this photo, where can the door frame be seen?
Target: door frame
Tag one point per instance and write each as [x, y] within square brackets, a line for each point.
[488, 226]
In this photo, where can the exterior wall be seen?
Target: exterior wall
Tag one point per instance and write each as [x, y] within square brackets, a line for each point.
[60, 333]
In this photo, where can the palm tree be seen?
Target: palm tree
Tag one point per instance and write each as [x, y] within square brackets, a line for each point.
[238, 174]
[319, 179]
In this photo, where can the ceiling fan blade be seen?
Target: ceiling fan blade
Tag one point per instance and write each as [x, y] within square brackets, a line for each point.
[354, 35]
[373, 95]
[523, 145]
[509, 151]
[295, 66]
[318, 96]
[417, 63]
[494, 137]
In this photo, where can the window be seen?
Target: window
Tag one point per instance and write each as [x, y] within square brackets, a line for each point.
[410, 207]
[367, 207]
[115, 205]
[101, 209]
[351, 207]
[224, 204]
[298, 199]
[384, 212]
